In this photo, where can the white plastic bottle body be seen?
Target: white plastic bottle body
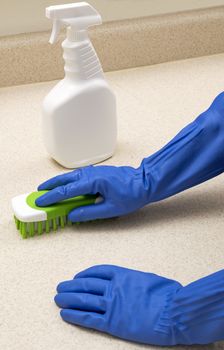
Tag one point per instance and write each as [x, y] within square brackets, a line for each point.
[79, 122]
[79, 113]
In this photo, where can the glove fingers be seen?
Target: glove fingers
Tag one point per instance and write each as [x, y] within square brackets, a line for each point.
[84, 285]
[81, 301]
[60, 180]
[85, 319]
[61, 193]
[105, 272]
[102, 210]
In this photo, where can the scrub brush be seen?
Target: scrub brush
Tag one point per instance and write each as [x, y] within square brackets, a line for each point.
[31, 219]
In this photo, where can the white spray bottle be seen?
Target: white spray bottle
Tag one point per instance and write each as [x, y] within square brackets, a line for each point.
[79, 113]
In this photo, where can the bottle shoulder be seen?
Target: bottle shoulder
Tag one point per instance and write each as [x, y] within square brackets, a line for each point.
[72, 93]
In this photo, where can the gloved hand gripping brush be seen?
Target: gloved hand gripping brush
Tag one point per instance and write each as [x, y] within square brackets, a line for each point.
[196, 154]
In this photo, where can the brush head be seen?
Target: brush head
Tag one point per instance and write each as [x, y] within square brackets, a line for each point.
[31, 219]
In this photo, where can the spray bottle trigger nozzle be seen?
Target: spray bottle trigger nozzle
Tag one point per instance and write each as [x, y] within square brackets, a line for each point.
[55, 31]
[79, 16]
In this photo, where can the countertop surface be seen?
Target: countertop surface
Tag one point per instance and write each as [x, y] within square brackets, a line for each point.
[180, 238]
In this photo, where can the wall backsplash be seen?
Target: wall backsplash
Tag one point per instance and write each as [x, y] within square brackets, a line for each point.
[26, 16]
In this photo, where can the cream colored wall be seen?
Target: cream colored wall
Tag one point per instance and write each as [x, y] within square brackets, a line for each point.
[29, 15]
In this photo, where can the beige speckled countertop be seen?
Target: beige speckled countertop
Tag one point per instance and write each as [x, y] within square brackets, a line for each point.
[180, 238]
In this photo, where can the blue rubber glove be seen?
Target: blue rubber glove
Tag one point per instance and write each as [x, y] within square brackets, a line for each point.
[144, 307]
[120, 187]
[195, 155]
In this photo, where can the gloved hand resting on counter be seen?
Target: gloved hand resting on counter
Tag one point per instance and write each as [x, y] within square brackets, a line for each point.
[195, 155]
[144, 307]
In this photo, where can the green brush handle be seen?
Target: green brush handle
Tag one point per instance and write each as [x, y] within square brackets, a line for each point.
[62, 208]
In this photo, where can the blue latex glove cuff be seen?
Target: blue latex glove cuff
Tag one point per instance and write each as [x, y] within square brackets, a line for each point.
[196, 312]
[195, 155]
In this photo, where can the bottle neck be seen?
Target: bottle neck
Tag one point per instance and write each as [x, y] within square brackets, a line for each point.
[76, 36]
[81, 61]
